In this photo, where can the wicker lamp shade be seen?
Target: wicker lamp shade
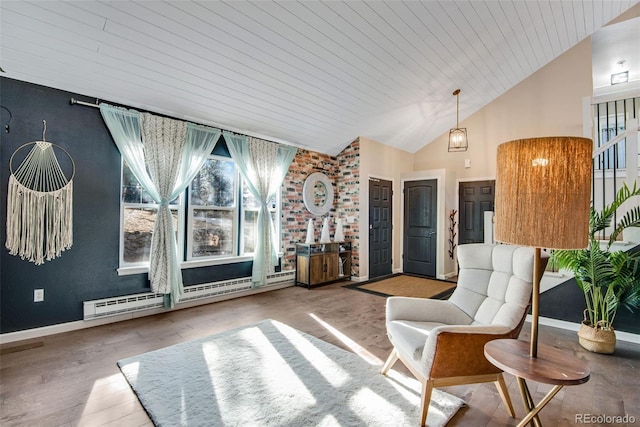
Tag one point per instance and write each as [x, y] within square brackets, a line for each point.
[542, 200]
[543, 190]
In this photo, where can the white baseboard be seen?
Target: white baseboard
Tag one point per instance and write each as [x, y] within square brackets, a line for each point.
[83, 324]
[570, 326]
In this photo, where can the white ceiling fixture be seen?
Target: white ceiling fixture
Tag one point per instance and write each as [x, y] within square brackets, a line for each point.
[310, 73]
[620, 76]
[616, 59]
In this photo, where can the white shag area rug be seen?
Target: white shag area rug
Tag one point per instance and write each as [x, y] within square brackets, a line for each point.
[269, 374]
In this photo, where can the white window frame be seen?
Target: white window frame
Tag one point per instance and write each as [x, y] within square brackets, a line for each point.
[125, 267]
[277, 210]
[185, 228]
[235, 209]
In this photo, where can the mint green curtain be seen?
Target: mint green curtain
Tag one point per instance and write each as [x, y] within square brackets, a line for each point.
[124, 126]
[263, 166]
[164, 155]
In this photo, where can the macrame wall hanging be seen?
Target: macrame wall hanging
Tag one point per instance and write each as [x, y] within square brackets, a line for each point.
[39, 203]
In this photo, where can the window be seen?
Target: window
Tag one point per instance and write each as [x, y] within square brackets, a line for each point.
[217, 221]
[250, 218]
[213, 210]
[138, 214]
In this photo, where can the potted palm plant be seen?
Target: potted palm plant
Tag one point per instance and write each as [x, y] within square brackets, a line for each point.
[609, 279]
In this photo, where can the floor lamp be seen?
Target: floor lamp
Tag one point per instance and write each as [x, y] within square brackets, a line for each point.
[543, 192]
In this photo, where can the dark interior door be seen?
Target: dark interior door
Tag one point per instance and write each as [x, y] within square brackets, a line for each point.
[420, 226]
[380, 228]
[475, 198]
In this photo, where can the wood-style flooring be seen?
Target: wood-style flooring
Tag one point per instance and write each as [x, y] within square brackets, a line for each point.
[71, 379]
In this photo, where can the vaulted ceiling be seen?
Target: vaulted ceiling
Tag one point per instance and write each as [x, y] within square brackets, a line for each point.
[313, 74]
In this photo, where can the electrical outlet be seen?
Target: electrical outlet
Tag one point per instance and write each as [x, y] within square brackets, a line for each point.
[38, 295]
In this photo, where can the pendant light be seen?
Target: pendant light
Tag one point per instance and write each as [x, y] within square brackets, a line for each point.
[458, 136]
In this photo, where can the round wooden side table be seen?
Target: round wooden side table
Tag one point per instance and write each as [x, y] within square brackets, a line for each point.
[551, 366]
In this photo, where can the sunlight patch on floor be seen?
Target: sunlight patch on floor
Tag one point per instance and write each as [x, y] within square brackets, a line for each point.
[107, 393]
[328, 420]
[408, 387]
[365, 397]
[269, 371]
[331, 371]
[354, 346]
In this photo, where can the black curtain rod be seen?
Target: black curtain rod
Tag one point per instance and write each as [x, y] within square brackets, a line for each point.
[86, 104]
[74, 101]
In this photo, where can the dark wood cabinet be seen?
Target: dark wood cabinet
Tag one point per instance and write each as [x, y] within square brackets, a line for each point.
[320, 263]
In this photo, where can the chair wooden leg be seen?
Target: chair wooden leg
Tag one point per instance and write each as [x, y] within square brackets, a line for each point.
[391, 360]
[427, 388]
[504, 394]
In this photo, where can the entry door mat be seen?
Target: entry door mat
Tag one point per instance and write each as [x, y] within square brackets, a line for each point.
[270, 374]
[405, 285]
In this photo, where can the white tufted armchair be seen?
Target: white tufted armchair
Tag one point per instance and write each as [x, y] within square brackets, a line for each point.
[442, 342]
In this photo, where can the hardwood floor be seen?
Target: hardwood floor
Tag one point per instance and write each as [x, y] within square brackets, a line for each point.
[72, 379]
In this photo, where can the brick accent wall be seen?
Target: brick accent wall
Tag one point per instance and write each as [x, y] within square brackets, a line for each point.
[343, 171]
[348, 183]
[295, 216]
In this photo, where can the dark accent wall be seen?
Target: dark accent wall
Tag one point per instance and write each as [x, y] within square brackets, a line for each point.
[87, 271]
[566, 302]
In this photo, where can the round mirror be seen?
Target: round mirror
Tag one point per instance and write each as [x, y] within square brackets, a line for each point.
[318, 193]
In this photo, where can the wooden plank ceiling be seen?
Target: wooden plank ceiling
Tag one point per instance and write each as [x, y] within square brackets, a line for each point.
[309, 73]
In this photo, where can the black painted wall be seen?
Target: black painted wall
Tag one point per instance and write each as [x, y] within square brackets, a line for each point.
[87, 271]
[566, 302]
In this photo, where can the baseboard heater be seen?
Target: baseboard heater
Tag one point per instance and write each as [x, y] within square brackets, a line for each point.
[130, 303]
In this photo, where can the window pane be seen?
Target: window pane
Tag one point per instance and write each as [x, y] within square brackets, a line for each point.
[138, 228]
[250, 230]
[214, 184]
[132, 191]
[212, 233]
[248, 201]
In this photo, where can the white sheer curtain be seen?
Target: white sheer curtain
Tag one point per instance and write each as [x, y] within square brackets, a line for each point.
[164, 155]
[263, 166]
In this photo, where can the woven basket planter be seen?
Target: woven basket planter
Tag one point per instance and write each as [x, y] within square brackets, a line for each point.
[597, 340]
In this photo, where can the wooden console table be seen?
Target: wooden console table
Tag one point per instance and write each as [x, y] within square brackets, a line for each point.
[320, 263]
[552, 366]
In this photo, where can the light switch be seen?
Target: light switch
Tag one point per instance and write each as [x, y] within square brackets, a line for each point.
[467, 163]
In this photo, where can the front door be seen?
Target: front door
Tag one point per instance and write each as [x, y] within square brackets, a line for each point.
[475, 198]
[380, 227]
[420, 226]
